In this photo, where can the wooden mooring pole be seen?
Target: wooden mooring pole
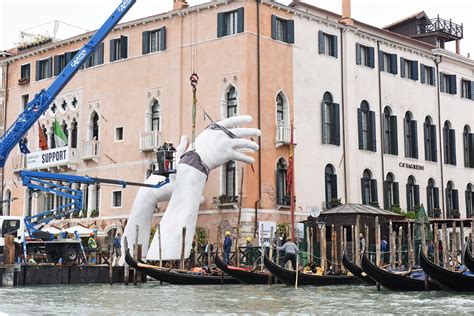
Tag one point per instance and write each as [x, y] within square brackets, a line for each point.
[378, 256]
[400, 248]
[444, 229]
[333, 249]
[136, 255]
[436, 243]
[159, 244]
[323, 248]
[126, 268]
[392, 243]
[454, 247]
[111, 267]
[410, 246]
[357, 240]
[183, 245]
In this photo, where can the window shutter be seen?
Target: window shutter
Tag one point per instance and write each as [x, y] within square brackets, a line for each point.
[471, 90]
[452, 146]
[221, 26]
[57, 65]
[402, 67]
[50, 67]
[323, 125]
[396, 194]
[414, 143]
[470, 138]
[362, 186]
[452, 84]
[436, 197]
[240, 20]
[467, 198]
[393, 135]
[372, 131]
[455, 200]
[385, 195]
[38, 71]
[334, 45]
[434, 148]
[408, 197]
[321, 42]
[416, 194]
[374, 192]
[290, 31]
[123, 47]
[145, 42]
[393, 64]
[381, 61]
[334, 186]
[359, 126]
[414, 68]
[358, 58]
[336, 125]
[371, 57]
[100, 60]
[68, 57]
[442, 87]
[433, 76]
[422, 73]
[405, 133]
[163, 38]
[426, 138]
[274, 25]
[112, 50]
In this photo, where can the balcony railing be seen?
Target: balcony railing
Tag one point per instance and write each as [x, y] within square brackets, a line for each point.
[439, 25]
[149, 140]
[90, 149]
[282, 134]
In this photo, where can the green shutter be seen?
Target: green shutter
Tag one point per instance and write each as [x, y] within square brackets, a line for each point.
[336, 124]
[396, 194]
[274, 25]
[434, 148]
[372, 132]
[359, 127]
[123, 47]
[416, 195]
[57, 67]
[402, 67]
[422, 73]
[452, 146]
[371, 57]
[393, 64]
[381, 61]
[455, 200]
[358, 57]
[442, 86]
[321, 42]
[362, 186]
[470, 138]
[433, 76]
[100, 60]
[414, 68]
[334, 186]
[471, 90]
[290, 31]
[393, 135]
[436, 197]
[373, 191]
[221, 26]
[325, 138]
[38, 70]
[452, 84]
[112, 50]
[145, 42]
[385, 195]
[240, 20]
[162, 43]
[426, 138]
[334, 46]
[414, 143]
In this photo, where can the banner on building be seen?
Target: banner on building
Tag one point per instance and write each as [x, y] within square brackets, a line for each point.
[264, 232]
[48, 158]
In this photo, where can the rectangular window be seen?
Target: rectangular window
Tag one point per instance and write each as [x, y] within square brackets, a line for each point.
[119, 48]
[365, 55]
[96, 58]
[467, 88]
[154, 41]
[408, 69]
[117, 199]
[25, 72]
[327, 44]
[118, 134]
[44, 68]
[283, 30]
[24, 100]
[427, 74]
[231, 22]
[447, 83]
[388, 62]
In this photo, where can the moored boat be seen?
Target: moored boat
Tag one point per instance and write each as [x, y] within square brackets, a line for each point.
[173, 276]
[245, 275]
[468, 260]
[289, 276]
[449, 280]
[397, 282]
[356, 271]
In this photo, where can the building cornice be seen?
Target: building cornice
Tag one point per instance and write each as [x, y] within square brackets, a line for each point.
[453, 56]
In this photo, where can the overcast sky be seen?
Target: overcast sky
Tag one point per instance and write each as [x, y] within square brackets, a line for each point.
[19, 15]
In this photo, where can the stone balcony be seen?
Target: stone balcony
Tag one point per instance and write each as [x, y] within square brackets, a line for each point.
[149, 140]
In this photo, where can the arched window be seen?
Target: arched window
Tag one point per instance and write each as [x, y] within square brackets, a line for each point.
[468, 146]
[229, 189]
[391, 192]
[280, 109]
[7, 200]
[449, 138]
[369, 189]
[390, 138]
[331, 186]
[65, 129]
[413, 194]
[452, 201]
[231, 102]
[283, 198]
[74, 134]
[411, 136]
[432, 199]
[52, 143]
[366, 126]
[155, 115]
[469, 201]
[94, 133]
[431, 153]
[330, 120]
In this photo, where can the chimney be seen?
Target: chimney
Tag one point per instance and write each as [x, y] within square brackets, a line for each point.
[458, 47]
[346, 13]
[179, 4]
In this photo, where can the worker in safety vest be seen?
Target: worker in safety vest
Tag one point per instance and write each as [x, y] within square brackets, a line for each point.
[92, 244]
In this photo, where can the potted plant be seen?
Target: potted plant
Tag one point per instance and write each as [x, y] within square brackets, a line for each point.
[455, 213]
[374, 203]
[395, 208]
[436, 212]
[94, 213]
[335, 202]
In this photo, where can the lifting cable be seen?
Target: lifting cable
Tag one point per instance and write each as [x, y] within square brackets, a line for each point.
[194, 77]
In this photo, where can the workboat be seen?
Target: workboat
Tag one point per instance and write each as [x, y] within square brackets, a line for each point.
[245, 275]
[448, 280]
[174, 276]
[403, 281]
[356, 271]
[289, 276]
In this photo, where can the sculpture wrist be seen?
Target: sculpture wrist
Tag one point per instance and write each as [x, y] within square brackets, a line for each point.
[192, 158]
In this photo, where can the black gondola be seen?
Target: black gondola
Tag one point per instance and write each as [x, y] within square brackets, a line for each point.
[356, 271]
[448, 280]
[468, 260]
[245, 275]
[177, 277]
[394, 281]
[289, 276]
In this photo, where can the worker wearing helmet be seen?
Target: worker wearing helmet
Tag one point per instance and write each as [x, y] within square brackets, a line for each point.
[227, 246]
[92, 248]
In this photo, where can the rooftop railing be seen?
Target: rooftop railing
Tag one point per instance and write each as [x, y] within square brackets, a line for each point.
[440, 25]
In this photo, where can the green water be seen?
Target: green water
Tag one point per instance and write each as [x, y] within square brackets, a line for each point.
[153, 298]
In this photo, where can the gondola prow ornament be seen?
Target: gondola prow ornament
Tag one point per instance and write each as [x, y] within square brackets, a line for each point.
[166, 156]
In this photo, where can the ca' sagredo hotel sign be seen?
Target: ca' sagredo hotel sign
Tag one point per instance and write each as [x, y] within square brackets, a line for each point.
[411, 166]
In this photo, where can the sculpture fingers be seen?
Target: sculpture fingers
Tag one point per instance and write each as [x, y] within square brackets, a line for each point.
[246, 132]
[244, 144]
[235, 121]
[242, 157]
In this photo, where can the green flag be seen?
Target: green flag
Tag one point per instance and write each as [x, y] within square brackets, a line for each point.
[60, 138]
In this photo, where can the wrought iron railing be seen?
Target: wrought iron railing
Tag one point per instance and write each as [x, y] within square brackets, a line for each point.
[439, 25]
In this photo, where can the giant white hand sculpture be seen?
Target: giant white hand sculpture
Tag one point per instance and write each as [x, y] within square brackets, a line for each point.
[144, 206]
[215, 148]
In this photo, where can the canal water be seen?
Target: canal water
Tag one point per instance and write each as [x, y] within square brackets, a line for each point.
[153, 298]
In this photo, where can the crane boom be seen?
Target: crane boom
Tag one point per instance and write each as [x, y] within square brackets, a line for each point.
[45, 97]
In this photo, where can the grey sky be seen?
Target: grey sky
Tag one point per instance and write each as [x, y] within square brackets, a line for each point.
[17, 15]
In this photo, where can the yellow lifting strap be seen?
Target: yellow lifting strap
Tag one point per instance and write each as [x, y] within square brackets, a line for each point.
[194, 82]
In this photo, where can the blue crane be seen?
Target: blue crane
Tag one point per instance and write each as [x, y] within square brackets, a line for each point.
[45, 97]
